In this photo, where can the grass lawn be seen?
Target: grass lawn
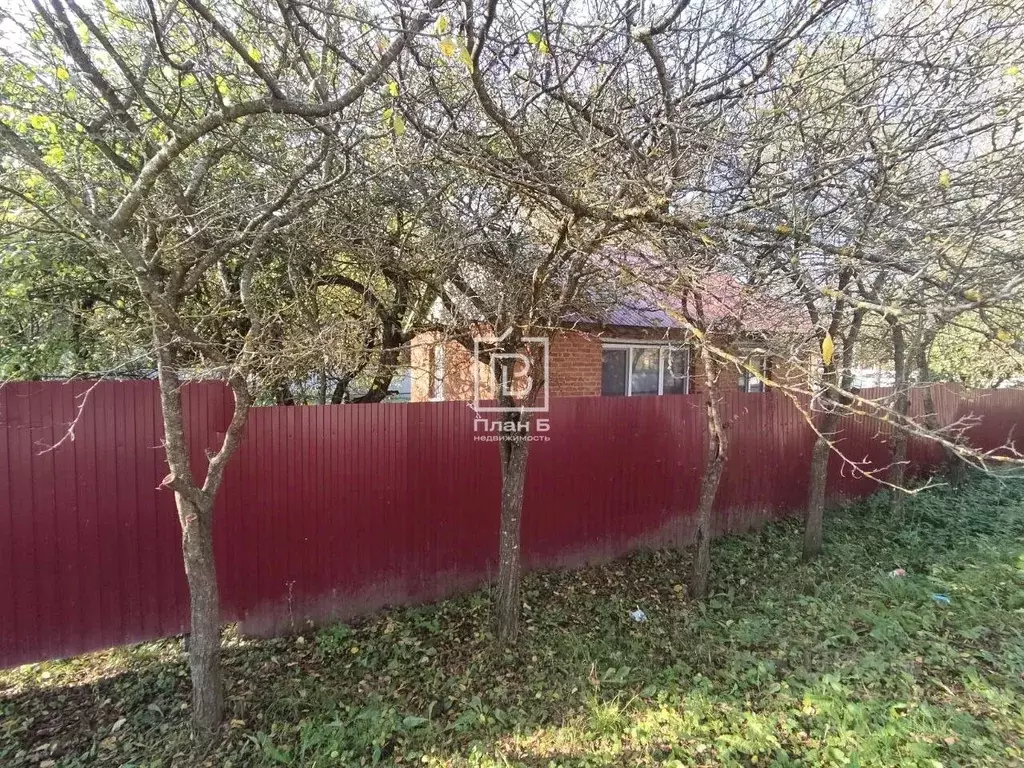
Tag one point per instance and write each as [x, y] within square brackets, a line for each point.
[833, 663]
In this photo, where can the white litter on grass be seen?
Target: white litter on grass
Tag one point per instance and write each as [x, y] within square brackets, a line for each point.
[638, 616]
[899, 573]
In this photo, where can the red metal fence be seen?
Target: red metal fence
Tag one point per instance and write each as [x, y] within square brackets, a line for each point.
[336, 510]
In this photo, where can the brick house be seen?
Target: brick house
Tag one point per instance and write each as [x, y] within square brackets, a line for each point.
[634, 349]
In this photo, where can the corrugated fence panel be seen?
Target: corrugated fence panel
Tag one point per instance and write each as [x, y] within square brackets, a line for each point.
[614, 474]
[332, 511]
[995, 418]
[768, 451]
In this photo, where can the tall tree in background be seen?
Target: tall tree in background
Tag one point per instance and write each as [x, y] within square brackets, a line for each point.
[363, 267]
[979, 348]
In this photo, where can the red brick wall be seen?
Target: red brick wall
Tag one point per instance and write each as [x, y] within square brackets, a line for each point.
[458, 365]
[574, 365]
[574, 368]
[420, 367]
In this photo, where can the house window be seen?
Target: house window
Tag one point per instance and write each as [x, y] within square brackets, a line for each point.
[644, 369]
[436, 382]
[676, 379]
[748, 381]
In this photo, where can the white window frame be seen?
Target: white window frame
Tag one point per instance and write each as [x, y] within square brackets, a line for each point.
[436, 383]
[750, 379]
[662, 348]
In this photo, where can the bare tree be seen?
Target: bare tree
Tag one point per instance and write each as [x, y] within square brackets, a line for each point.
[523, 272]
[829, 151]
[174, 142]
[603, 113]
[876, 182]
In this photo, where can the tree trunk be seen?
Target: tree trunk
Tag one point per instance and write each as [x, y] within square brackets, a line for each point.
[956, 469]
[513, 481]
[714, 465]
[283, 394]
[387, 362]
[195, 514]
[837, 380]
[814, 519]
[898, 470]
[321, 391]
[901, 405]
[340, 390]
[204, 602]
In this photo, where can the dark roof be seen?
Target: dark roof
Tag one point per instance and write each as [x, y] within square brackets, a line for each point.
[726, 302]
[624, 292]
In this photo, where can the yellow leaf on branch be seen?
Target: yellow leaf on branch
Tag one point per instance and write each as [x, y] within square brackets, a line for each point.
[828, 349]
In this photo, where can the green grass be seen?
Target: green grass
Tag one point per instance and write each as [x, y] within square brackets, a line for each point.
[832, 663]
